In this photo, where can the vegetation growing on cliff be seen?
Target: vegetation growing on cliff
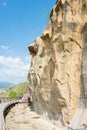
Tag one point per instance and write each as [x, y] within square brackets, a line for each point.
[16, 91]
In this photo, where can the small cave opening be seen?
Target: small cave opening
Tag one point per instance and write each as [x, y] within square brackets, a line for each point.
[33, 51]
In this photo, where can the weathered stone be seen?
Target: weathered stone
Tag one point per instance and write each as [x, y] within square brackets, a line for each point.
[25, 119]
[54, 74]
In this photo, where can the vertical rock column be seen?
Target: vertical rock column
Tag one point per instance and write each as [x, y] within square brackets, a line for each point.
[54, 74]
[72, 41]
[66, 55]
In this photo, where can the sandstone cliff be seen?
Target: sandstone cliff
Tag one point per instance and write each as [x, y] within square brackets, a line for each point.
[54, 74]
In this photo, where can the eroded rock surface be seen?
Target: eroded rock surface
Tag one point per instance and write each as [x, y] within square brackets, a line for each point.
[54, 74]
[21, 117]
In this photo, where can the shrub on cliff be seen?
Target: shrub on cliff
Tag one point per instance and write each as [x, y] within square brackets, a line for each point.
[17, 91]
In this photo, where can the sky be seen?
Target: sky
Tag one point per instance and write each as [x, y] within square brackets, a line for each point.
[21, 21]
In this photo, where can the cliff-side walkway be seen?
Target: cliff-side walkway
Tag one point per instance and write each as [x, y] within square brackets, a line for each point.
[2, 107]
[21, 117]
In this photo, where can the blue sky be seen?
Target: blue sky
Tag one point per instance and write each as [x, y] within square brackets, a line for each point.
[21, 21]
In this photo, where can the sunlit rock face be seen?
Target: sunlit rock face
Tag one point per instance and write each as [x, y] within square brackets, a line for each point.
[54, 74]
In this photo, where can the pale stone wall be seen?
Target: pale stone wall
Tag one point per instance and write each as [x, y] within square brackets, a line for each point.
[54, 74]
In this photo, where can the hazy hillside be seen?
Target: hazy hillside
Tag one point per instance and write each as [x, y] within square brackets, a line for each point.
[16, 91]
[5, 84]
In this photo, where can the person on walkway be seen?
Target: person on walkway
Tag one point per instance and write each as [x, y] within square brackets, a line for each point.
[27, 96]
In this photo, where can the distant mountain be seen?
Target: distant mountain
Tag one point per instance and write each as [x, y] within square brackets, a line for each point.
[5, 84]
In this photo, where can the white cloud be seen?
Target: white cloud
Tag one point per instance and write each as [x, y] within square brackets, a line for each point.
[3, 47]
[13, 69]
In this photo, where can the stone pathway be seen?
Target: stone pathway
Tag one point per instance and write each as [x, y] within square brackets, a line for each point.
[2, 106]
[22, 118]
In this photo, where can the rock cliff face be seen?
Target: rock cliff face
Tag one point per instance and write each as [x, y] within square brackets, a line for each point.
[54, 74]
